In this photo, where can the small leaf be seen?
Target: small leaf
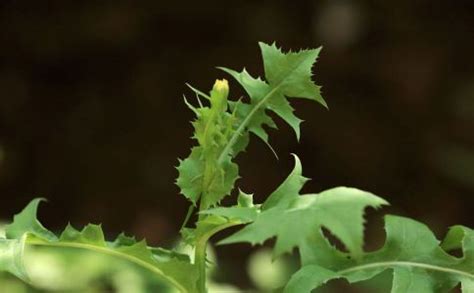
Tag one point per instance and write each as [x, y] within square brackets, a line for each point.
[245, 200]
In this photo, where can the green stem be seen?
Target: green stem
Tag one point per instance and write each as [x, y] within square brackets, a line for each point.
[200, 253]
[200, 262]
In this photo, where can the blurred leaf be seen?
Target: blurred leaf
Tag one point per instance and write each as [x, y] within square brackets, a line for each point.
[174, 270]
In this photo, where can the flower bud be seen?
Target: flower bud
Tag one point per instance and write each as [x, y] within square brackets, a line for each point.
[219, 94]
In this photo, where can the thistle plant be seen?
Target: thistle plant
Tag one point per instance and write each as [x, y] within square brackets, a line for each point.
[223, 128]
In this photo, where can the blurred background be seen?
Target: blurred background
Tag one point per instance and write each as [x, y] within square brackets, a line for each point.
[92, 115]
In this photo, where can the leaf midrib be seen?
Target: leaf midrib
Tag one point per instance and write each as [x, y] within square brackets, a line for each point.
[391, 264]
[112, 252]
[247, 119]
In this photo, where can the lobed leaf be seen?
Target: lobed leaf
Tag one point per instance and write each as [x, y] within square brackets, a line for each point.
[340, 210]
[411, 251]
[287, 75]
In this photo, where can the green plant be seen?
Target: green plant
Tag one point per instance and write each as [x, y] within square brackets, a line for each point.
[222, 130]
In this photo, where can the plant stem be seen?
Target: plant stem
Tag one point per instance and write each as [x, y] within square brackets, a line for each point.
[200, 252]
[200, 262]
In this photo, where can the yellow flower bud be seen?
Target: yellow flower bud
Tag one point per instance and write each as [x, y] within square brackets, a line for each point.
[221, 86]
[219, 94]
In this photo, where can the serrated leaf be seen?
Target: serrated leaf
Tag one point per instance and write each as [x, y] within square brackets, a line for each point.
[340, 210]
[411, 250]
[292, 218]
[191, 178]
[288, 75]
[291, 71]
[222, 134]
[201, 175]
[27, 230]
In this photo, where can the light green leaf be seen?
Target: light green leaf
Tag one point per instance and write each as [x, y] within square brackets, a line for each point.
[244, 212]
[11, 257]
[411, 250]
[27, 230]
[292, 218]
[26, 222]
[245, 200]
[289, 190]
[340, 210]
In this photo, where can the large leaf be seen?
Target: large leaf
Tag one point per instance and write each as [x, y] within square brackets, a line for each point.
[411, 250]
[292, 218]
[173, 268]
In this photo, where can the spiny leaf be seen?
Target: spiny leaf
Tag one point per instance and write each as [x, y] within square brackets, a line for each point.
[292, 71]
[192, 180]
[411, 250]
[190, 175]
[221, 134]
[339, 209]
[201, 175]
[27, 230]
[287, 75]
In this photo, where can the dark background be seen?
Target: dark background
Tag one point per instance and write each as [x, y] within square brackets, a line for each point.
[92, 116]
